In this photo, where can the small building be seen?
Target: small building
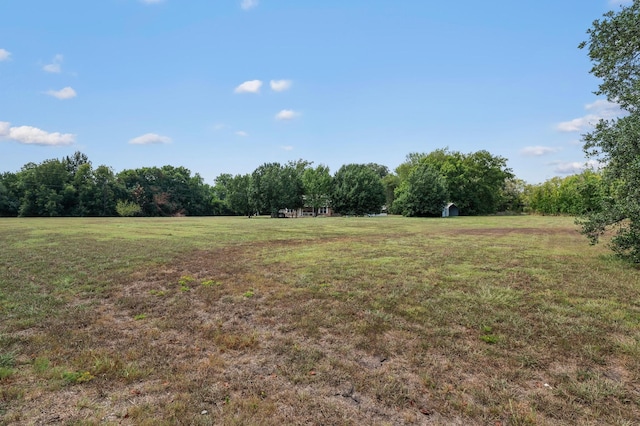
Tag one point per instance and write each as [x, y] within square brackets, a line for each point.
[305, 212]
[450, 210]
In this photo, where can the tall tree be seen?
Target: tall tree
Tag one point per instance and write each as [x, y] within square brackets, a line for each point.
[220, 195]
[513, 195]
[74, 162]
[578, 194]
[357, 190]
[317, 187]
[239, 196]
[9, 194]
[614, 49]
[424, 193]
[167, 191]
[390, 182]
[475, 181]
[108, 191]
[275, 187]
[45, 189]
[379, 169]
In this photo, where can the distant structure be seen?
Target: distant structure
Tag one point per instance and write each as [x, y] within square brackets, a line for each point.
[306, 212]
[450, 210]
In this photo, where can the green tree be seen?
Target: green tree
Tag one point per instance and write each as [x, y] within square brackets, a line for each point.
[9, 194]
[45, 189]
[543, 198]
[74, 162]
[390, 182]
[379, 169]
[481, 184]
[108, 191]
[86, 200]
[317, 187]
[275, 187]
[220, 195]
[357, 190]
[578, 194]
[513, 195]
[167, 191]
[614, 49]
[238, 197]
[475, 181]
[424, 193]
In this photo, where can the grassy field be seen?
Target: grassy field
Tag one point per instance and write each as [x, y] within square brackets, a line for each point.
[376, 321]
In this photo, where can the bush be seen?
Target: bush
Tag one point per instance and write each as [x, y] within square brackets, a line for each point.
[128, 208]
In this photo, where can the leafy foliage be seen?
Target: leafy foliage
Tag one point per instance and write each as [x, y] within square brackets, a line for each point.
[127, 208]
[614, 49]
[317, 187]
[475, 182]
[72, 187]
[573, 195]
[234, 194]
[274, 187]
[167, 191]
[424, 193]
[357, 190]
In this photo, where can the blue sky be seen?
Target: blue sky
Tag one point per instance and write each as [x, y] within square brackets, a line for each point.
[223, 86]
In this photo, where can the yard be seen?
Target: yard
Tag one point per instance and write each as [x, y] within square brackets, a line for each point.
[377, 321]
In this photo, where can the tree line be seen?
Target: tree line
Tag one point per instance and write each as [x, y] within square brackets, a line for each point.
[477, 182]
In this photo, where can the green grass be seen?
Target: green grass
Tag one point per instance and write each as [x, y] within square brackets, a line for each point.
[388, 320]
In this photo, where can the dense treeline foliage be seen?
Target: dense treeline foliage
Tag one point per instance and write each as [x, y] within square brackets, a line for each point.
[358, 190]
[72, 187]
[573, 195]
[475, 182]
[478, 183]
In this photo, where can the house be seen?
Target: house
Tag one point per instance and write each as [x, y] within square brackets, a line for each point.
[305, 212]
[450, 210]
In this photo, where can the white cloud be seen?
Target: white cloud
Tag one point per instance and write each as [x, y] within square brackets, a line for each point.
[579, 124]
[251, 86]
[287, 147]
[242, 133]
[598, 110]
[604, 108]
[151, 1]
[537, 151]
[280, 85]
[55, 66]
[573, 167]
[33, 136]
[219, 126]
[287, 114]
[4, 55]
[66, 93]
[4, 128]
[249, 4]
[150, 138]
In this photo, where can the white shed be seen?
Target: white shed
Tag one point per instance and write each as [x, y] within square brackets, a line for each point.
[450, 210]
